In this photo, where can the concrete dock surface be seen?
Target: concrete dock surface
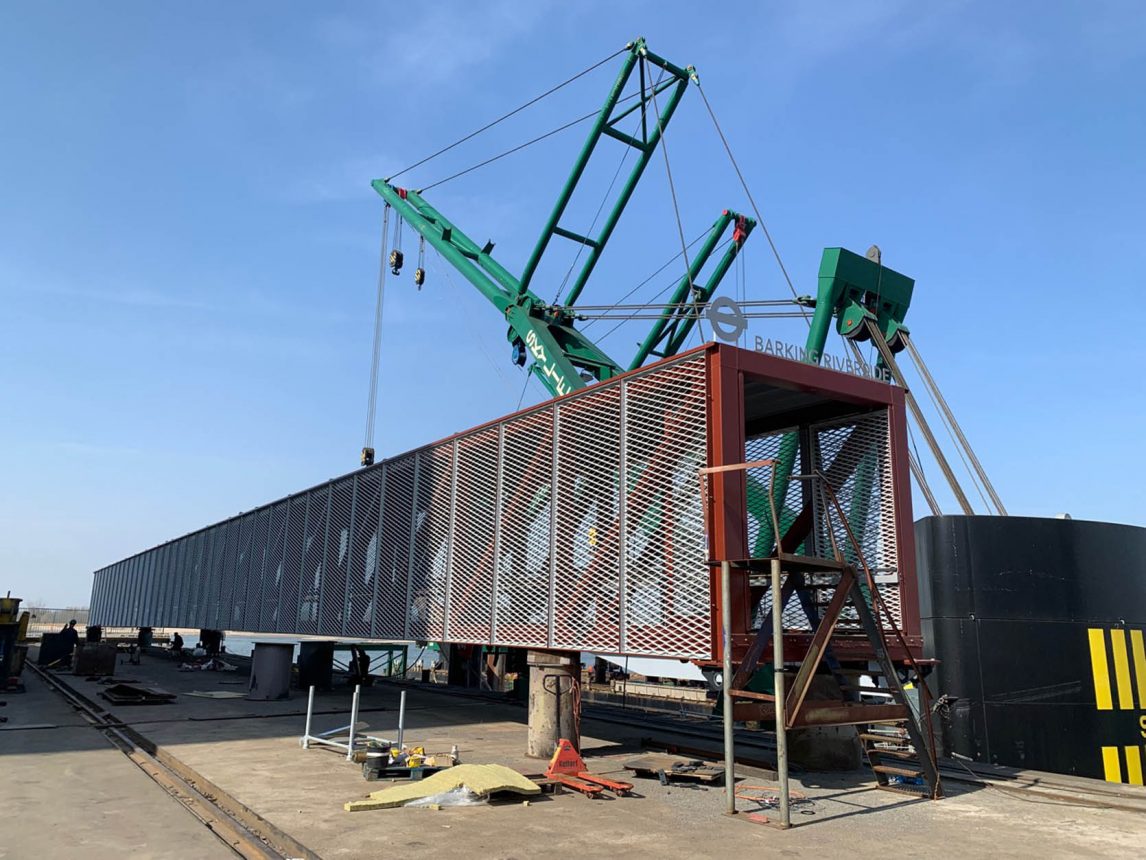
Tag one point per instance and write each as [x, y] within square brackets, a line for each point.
[65, 791]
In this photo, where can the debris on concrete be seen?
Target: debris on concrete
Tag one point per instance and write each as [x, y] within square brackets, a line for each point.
[135, 694]
[480, 779]
[669, 768]
[216, 694]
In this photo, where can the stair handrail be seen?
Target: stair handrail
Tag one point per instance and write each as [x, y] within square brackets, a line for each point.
[881, 608]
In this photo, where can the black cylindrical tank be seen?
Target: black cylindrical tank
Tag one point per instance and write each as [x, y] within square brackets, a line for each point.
[1038, 624]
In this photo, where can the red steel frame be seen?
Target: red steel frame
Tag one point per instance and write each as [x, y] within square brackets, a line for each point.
[729, 368]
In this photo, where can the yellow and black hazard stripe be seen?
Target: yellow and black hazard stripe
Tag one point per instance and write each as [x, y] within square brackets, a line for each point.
[1118, 663]
[1112, 769]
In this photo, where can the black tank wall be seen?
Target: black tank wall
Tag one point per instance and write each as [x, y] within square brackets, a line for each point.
[1006, 605]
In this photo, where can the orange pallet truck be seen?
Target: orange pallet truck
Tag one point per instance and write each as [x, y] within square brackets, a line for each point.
[568, 769]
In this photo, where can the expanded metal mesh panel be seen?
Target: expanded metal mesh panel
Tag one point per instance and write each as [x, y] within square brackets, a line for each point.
[587, 593]
[273, 567]
[855, 456]
[215, 574]
[255, 573]
[313, 561]
[363, 569]
[522, 601]
[236, 619]
[287, 610]
[759, 486]
[474, 551]
[193, 579]
[432, 521]
[332, 608]
[391, 594]
[666, 606]
[575, 525]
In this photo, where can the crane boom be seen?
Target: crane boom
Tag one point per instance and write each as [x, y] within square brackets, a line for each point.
[563, 358]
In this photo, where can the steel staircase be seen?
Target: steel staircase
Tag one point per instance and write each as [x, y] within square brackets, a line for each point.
[831, 590]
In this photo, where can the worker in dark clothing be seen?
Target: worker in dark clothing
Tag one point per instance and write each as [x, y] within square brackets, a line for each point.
[177, 645]
[70, 634]
[71, 638]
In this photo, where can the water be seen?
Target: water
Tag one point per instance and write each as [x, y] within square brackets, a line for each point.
[244, 646]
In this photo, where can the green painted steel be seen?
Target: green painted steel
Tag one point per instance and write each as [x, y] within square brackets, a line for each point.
[605, 124]
[563, 358]
[851, 288]
[673, 329]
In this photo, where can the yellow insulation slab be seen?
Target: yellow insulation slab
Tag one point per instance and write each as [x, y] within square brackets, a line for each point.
[482, 779]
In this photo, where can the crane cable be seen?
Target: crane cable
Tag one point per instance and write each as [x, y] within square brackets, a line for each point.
[593, 224]
[504, 117]
[943, 419]
[945, 409]
[914, 463]
[755, 208]
[676, 209]
[375, 357]
[664, 266]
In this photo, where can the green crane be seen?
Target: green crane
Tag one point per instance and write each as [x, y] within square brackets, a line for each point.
[562, 357]
[854, 291]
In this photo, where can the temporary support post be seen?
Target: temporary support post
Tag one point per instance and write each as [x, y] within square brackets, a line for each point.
[778, 683]
[552, 701]
[726, 684]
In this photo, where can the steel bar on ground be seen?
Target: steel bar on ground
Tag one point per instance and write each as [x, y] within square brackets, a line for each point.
[778, 684]
[726, 684]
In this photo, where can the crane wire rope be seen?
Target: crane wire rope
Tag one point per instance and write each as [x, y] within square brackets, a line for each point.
[913, 460]
[958, 448]
[675, 207]
[755, 208]
[600, 209]
[376, 354]
[945, 408]
[664, 266]
[506, 116]
[672, 284]
[511, 151]
[519, 147]
[917, 470]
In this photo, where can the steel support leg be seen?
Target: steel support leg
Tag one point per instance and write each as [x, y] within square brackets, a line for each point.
[726, 685]
[778, 682]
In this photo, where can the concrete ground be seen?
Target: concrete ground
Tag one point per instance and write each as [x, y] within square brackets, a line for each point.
[65, 791]
[251, 750]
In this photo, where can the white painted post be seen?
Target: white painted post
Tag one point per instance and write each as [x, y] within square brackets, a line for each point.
[401, 718]
[353, 721]
[309, 711]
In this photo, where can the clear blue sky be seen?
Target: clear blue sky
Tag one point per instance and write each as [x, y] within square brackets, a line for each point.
[189, 242]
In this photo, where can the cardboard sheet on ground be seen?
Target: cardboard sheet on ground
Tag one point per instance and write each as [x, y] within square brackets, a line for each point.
[482, 779]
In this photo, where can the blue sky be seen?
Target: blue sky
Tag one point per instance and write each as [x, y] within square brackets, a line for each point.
[189, 243]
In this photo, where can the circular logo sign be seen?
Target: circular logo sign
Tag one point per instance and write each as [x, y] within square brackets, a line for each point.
[727, 320]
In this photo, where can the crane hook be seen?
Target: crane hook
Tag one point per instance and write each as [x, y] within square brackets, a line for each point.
[420, 272]
[396, 256]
